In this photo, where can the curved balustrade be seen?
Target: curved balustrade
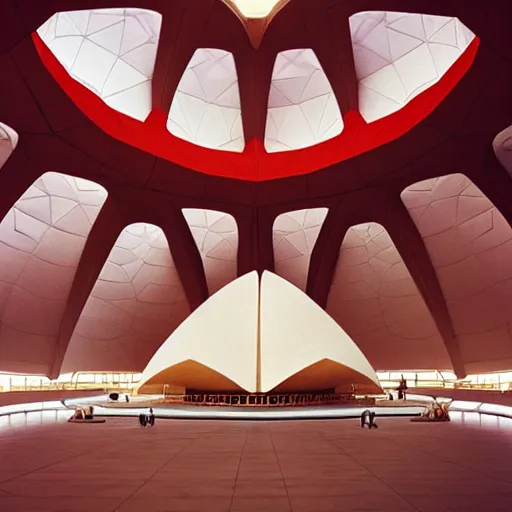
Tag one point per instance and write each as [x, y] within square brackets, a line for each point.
[319, 412]
[32, 407]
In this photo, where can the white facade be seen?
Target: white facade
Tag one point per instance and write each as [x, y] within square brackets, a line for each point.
[258, 334]
[295, 333]
[221, 334]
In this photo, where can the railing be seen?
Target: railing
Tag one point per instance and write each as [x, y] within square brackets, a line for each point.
[73, 386]
[84, 381]
[264, 400]
[31, 407]
[128, 383]
[393, 384]
[490, 386]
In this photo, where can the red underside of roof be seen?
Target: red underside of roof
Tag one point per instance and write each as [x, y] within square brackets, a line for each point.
[254, 163]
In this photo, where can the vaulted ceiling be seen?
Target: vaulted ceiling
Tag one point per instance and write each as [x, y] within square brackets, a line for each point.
[128, 200]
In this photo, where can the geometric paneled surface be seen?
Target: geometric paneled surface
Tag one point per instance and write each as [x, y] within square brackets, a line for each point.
[216, 236]
[202, 104]
[8, 141]
[502, 145]
[375, 300]
[64, 126]
[302, 108]
[470, 245]
[110, 51]
[206, 106]
[41, 241]
[136, 303]
[399, 55]
[294, 237]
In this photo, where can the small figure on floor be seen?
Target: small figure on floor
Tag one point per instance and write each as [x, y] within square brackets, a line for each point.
[434, 412]
[78, 415]
[85, 414]
[148, 419]
[368, 418]
[402, 388]
[151, 417]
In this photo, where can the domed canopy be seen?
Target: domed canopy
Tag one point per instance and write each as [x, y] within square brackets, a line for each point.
[150, 155]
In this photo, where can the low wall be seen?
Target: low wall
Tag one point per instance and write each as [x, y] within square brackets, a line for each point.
[27, 397]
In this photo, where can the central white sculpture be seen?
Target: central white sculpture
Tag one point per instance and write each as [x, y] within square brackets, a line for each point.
[259, 336]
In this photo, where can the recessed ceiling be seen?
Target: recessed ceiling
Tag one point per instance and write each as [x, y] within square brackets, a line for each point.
[255, 9]
[404, 67]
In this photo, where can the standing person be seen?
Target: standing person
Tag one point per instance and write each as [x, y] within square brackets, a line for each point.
[402, 387]
[151, 417]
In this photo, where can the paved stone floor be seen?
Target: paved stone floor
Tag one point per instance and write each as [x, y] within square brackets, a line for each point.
[47, 464]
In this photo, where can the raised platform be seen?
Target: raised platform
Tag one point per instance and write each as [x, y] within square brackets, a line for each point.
[257, 413]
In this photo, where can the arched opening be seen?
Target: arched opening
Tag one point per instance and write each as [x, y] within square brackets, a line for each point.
[112, 52]
[206, 109]
[136, 303]
[294, 238]
[41, 241]
[375, 299]
[399, 55]
[302, 108]
[216, 237]
[470, 245]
